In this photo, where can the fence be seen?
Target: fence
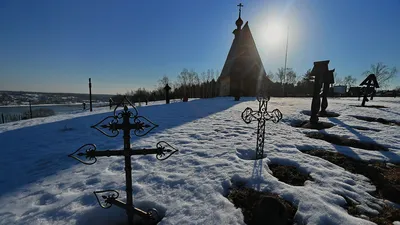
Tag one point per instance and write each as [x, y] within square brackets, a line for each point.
[6, 118]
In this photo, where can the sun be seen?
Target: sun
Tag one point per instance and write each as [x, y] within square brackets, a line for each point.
[275, 34]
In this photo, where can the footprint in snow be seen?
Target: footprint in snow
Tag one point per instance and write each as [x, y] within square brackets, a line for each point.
[30, 211]
[92, 181]
[78, 186]
[46, 199]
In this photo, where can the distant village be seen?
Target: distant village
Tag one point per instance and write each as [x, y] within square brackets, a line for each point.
[11, 98]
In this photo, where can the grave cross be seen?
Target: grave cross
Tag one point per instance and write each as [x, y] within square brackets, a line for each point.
[262, 115]
[327, 79]
[323, 77]
[87, 154]
[167, 88]
[370, 80]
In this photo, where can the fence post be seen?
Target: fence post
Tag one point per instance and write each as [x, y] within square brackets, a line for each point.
[30, 109]
[90, 93]
[2, 118]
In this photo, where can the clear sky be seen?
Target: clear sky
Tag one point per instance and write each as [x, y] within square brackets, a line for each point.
[56, 45]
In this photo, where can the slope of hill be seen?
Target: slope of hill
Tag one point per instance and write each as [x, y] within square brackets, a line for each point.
[39, 184]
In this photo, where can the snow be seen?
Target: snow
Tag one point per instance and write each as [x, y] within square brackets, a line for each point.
[39, 184]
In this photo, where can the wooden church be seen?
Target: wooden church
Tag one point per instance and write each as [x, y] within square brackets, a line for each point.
[243, 73]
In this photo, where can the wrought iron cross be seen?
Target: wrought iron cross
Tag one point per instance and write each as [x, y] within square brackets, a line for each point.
[262, 115]
[87, 154]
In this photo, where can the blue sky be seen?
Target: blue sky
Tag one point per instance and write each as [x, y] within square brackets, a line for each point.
[55, 46]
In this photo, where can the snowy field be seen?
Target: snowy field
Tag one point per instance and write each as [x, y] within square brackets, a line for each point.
[39, 184]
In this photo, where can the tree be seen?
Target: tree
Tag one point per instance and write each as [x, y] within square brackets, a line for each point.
[383, 73]
[290, 76]
[270, 75]
[349, 81]
[163, 81]
[307, 76]
[281, 74]
[183, 78]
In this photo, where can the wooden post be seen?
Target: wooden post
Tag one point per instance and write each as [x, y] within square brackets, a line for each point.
[90, 94]
[167, 88]
[30, 109]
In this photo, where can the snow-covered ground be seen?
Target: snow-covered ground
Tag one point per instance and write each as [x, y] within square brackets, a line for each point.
[39, 184]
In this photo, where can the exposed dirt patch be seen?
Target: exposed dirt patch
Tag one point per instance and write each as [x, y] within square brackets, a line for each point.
[371, 106]
[340, 140]
[379, 120]
[307, 125]
[289, 174]
[386, 216]
[260, 208]
[320, 114]
[385, 176]
[365, 128]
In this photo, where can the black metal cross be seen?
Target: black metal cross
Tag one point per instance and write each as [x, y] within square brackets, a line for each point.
[141, 126]
[370, 80]
[262, 115]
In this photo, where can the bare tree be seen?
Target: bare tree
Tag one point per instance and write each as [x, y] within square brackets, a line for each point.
[281, 74]
[197, 85]
[290, 76]
[383, 73]
[163, 81]
[203, 81]
[349, 81]
[270, 75]
[183, 78]
[338, 80]
[207, 82]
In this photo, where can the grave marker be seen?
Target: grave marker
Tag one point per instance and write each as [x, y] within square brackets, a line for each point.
[322, 77]
[110, 102]
[141, 126]
[90, 94]
[262, 115]
[328, 79]
[370, 80]
[167, 88]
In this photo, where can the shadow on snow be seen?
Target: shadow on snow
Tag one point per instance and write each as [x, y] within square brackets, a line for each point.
[32, 153]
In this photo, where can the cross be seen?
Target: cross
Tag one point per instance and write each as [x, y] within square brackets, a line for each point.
[370, 80]
[141, 126]
[240, 8]
[262, 115]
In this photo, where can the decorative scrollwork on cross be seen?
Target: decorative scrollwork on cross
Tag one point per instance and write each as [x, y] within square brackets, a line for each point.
[262, 115]
[106, 197]
[163, 148]
[125, 120]
[85, 151]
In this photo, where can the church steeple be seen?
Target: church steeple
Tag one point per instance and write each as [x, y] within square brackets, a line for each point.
[239, 21]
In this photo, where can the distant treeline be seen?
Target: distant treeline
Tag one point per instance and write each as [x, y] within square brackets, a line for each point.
[283, 83]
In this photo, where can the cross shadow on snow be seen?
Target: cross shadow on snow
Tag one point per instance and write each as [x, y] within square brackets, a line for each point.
[32, 153]
[256, 175]
[389, 111]
[347, 150]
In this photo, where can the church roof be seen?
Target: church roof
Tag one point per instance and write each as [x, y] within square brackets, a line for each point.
[242, 46]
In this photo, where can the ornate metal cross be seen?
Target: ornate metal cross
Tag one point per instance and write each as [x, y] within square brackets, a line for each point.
[87, 154]
[262, 115]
